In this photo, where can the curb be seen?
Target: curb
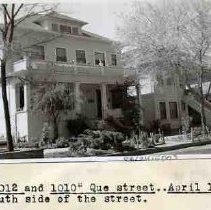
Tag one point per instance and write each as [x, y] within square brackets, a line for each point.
[160, 149]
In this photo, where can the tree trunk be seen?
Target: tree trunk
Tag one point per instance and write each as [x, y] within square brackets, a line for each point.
[203, 117]
[55, 129]
[10, 145]
[138, 92]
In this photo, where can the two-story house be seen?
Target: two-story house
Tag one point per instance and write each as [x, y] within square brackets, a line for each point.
[167, 103]
[56, 46]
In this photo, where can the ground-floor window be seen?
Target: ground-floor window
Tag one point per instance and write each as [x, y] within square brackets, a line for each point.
[173, 110]
[162, 106]
[20, 102]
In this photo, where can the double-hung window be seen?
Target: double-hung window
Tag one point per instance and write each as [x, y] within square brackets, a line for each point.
[61, 54]
[113, 60]
[38, 52]
[80, 56]
[99, 58]
[162, 106]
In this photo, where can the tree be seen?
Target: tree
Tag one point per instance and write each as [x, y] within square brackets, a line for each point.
[12, 15]
[52, 99]
[169, 37]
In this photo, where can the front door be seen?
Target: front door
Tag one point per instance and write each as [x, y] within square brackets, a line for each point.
[99, 103]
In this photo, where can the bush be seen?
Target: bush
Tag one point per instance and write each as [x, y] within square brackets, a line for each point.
[62, 142]
[79, 147]
[97, 140]
[77, 125]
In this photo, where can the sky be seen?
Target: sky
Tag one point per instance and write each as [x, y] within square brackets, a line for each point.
[102, 15]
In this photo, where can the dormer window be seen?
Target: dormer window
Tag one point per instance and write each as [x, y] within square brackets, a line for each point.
[75, 30]
[55, 27]
[65, 29]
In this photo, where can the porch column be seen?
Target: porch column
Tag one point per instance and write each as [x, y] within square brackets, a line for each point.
[77, 98]
[104, 101]
[26, 96]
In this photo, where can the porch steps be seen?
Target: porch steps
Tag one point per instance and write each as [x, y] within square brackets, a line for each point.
[196, 105]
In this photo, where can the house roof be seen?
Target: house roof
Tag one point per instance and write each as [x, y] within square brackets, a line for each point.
[65, 17]
[31, 24]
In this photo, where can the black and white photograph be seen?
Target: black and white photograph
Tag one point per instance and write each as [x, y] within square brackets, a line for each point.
[105, 78]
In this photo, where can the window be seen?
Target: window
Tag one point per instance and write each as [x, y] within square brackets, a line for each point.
[113, 60]
[80, 56]
[19, 90]
[65, 29]
[162, 106]
[55, 27]
[61, 54]
[38, 53]
[117, 98]
[173, 110]
[99, 58]
[75, 30]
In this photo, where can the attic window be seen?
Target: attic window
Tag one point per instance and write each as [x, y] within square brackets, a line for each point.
[55, 27]
[75, 30]
[65, 29]
[38, 23]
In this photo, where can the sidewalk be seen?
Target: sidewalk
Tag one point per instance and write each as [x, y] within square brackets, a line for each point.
[171, 143]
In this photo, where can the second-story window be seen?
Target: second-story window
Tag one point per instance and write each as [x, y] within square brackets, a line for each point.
[38, 52]
[113, 60]
[55, 27]
[80, 56]
[75, 30]
[61, 54]
[65, 29]
[99, 58]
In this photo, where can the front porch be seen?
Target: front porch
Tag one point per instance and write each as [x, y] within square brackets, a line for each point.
[98, 101]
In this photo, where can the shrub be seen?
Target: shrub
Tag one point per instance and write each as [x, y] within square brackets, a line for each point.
[45, 134]
[62, 142]
[79, 147]
[99, 140]
[77, 125]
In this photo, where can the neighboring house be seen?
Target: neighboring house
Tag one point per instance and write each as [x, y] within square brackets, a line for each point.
[168, 105]
[56, 46]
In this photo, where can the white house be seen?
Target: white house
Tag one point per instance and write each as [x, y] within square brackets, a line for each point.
[166, 101]
[55, 45]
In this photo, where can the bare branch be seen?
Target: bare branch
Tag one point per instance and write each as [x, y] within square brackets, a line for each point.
[18, 10]
[6, 10]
